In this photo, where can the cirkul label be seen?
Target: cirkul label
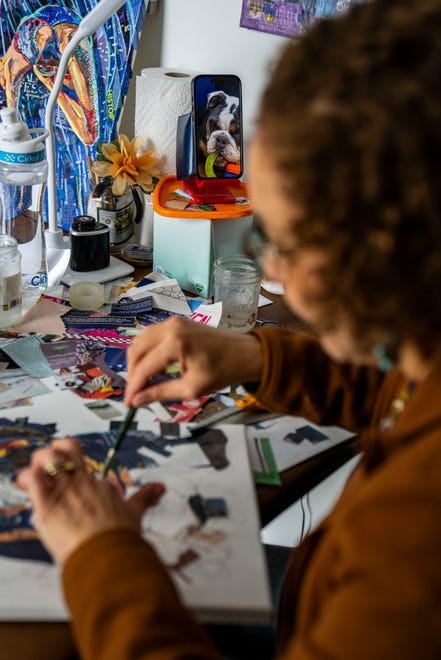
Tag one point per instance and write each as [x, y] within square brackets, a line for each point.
[22, 159]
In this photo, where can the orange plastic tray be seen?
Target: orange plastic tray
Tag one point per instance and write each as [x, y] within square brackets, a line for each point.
[168, 184]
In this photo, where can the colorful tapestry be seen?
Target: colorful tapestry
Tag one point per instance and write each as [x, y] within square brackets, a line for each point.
[288, 17]
[34, 33]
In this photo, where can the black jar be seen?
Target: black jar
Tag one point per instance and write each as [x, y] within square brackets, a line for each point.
[90, 244]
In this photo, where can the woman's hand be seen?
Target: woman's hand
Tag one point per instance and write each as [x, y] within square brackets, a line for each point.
[72, 506]
[209, 359]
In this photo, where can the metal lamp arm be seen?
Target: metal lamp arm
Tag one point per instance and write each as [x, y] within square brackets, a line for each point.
[50, 143]
[90, 24]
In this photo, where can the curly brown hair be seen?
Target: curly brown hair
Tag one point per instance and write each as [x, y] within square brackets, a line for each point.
[352, 117]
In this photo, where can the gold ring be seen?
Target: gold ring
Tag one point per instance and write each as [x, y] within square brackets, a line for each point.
[61, 465]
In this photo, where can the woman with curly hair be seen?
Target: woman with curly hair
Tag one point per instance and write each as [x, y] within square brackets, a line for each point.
[346, 179]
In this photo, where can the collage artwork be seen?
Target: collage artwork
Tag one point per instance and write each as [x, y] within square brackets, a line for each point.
[72, 384]
[204, 523]
[289, 17]
[201, 527]
[34, 34]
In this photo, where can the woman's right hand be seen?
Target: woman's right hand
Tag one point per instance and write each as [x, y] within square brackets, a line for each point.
[209, 359]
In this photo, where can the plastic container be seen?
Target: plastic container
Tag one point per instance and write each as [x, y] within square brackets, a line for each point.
[89, 243]
[10, 281]
[187, 242]
[23, 176]
[237, 286]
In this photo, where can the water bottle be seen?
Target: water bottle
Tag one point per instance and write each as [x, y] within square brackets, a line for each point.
[10, 281]
[23, 176]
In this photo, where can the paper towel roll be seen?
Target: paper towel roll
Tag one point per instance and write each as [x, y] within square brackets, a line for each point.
[162, 95]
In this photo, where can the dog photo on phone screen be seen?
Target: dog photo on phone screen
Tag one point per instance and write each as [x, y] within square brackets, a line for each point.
[218, 127]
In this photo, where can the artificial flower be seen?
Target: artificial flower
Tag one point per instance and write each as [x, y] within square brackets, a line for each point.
[127, 164]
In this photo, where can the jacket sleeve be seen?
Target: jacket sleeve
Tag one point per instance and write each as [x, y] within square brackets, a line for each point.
[372, 588]
[298, 378]
[124, 605]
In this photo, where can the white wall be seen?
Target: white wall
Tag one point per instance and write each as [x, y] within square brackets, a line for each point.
[204, 35]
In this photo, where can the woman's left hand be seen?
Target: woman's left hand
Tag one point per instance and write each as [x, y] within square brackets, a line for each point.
[71, 505]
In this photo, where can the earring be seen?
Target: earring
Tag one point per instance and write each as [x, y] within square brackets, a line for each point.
[384, 361]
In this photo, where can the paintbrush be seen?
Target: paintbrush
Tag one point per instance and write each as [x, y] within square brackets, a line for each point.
[122, 432]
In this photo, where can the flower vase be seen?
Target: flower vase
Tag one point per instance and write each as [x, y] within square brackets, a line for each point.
[143, 234]
[121, 213]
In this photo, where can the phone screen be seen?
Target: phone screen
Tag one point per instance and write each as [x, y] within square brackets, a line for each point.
[217, 126]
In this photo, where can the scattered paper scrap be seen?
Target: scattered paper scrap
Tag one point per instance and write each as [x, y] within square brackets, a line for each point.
[166, 294]
[27, 354]
[44, 318]
[208, 314]
[262, 462]
[295, 439]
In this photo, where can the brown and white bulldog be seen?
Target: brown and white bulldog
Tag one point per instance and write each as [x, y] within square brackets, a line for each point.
[219, 131]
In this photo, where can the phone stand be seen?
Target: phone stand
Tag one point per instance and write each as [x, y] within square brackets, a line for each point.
[205, 191]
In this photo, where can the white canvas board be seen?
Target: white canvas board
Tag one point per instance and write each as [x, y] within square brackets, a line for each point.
[294, 440]
[226, 581]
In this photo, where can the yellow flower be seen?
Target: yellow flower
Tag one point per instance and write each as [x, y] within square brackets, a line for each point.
[126, 164]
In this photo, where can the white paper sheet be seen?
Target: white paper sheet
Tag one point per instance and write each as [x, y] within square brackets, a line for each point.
[166, 294]
[227, 577]
[288, 437]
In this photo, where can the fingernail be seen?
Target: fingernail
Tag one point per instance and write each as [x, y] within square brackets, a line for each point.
[157, 489]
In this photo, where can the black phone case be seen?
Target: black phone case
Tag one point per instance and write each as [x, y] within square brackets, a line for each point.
[217, 150]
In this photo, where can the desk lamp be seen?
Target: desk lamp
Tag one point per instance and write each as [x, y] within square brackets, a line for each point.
[56, 242]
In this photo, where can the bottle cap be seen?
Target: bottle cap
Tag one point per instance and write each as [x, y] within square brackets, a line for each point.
[87, 225]
[12, 129]
[17, 142]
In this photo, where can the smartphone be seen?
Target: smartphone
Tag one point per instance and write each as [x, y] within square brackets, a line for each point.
[217, 126]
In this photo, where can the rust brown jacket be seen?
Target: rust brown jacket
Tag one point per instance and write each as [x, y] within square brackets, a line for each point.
[365, 585]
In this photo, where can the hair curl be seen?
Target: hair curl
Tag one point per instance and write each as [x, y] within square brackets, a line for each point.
[352, 117]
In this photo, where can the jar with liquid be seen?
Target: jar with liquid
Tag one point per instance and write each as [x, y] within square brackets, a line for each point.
[237, 286]
[10, 281]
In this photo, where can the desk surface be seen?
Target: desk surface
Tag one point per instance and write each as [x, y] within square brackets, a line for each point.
[23, 641]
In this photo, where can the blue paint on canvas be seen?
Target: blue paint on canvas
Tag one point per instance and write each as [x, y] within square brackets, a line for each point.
[33, 35]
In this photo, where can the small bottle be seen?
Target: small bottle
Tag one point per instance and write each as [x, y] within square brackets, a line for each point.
[10, 281]
[23, 176]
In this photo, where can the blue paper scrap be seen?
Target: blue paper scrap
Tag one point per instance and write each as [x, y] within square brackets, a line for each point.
[99, 321]
[144, 282]
[155, 316]
[128, 307]
[194, 303]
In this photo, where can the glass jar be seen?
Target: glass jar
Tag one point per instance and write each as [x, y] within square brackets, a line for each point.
[237, 286]
[10, 281]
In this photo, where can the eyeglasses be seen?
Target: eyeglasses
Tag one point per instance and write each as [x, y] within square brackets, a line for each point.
[259, 247]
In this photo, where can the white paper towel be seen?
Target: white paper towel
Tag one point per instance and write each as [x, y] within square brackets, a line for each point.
[162, 95]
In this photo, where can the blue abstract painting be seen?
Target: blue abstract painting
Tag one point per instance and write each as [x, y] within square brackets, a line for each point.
[34, 34]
